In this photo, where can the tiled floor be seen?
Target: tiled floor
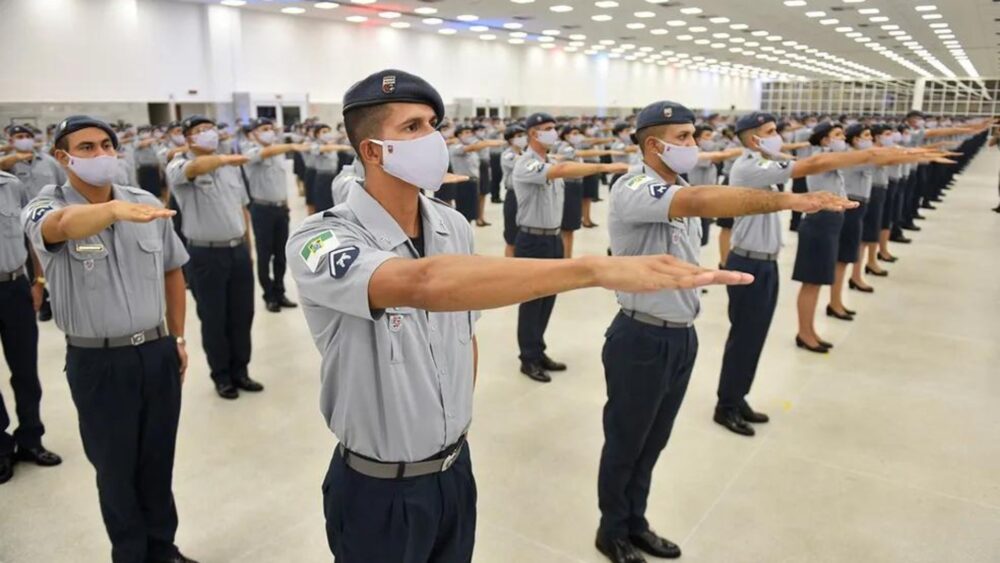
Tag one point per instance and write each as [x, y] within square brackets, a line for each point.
[887, 450]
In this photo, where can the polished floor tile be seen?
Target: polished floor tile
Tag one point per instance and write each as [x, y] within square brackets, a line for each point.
[886, 450]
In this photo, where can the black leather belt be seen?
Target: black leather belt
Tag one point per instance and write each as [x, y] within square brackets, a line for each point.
[136, 339]
[654, 321]
[264, 203]
[539, 232]
[232, 243]
[401, 470]
[753, 255]
[11, 276]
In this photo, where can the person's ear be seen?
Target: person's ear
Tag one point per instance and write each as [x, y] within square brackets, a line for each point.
[370, 152]
[62, 157]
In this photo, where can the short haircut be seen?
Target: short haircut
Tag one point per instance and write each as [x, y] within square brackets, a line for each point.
[363, 123]
[647, 132]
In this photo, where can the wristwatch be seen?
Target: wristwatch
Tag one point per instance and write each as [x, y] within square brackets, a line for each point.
[180, 340]
[40, 280]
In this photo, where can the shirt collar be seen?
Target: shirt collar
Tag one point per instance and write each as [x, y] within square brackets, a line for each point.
[387, 232]
[74, 197]
[648, 171]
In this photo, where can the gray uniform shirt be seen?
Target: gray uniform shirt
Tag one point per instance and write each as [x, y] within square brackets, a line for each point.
[539, 200]
[832, 181]
[396, 384]
[639, 225]
[349, 177]
[464, 163]
[111, 284]
[758, 233]
[858, 181]
[266, 175]
[146, 156]
[507, 160]
[42, 170]
[211, 204]
[704, 173]
[880, 176]
[13, 198]
[801, 136]
[323, 161]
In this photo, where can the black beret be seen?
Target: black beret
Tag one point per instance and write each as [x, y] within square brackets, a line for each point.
[782, 125]
[853, 131]
[663, 113]
[478, 126]
[619, 127]
[513, 131]
[915, 113]
[566, 129]
[74, 123]
[821, 131]
[536, 119]
[462, 129]
[319, 126]
[173, 124]
[880, 128]
[393, 86]
[15, 129]
[193, 121]
[260, 122]
[903, 127]
[701, 129]
[753, 121]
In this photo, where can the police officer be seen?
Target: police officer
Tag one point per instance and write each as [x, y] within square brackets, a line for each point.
[351, 175]
[390, 286]
[114, 270]
[325, 160]
[148, 172]
[466, 160]
[627, 151]
[517, 140]
[269, 209]
[216, 227]
[19, 299]
[651, 345]
[539, 186]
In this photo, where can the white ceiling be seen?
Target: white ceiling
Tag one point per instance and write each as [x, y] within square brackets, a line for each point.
[810, 46]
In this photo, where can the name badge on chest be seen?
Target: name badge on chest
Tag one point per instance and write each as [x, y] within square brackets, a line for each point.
[395, 322]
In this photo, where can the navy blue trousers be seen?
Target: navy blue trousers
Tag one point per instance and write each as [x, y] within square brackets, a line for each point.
[270, 228]
[798, 187]
[19, 335]
[222, 284]
[533, 316]
[415, 520]
[751, 309]
[647, 370]
[129, 401]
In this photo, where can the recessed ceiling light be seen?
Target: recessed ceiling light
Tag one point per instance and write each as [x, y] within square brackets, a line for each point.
[467, 18]
[515, 41]
[878, 19]
[522, 1]
[432, 21]
[829, 21]
[676, 23]
[949, 36]
[719, 20]
[356, 19]
[326, 5]
[697, 29]
[479, 28]
[560, 8]
[932, 16]
[578, 37]
[795, 3]
[690, 11]
[607, 42]
[815, 14]
[400, 25]
[659, 31]
[547, 46]
[750, 44]
[488, 37]
[852, 34]
[551, 32]
[293, 10]
[943, 30]
[774, 38]
[635, 25]
[720, 35]
[644, 14]
[898, 32]
[927, 8]
[890, 27]
[362, 1]
[739, 26]
[512, 25]
[233, 3]
[760, 33]
[868, 11]
[606, 4]
[519, 34]
[423, 11]
[576, 43]
[389, 15]
[685, 37]
[546, 39]
[601, 18]
[701, 41]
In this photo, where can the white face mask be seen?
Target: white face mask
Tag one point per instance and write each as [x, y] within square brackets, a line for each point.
[519, 142]
[864, 144]
[266, 137]
[208, 140]
[548, 138]
[177, 140]
[468, 139]
[680, 159]
[575, 139]
[24, 145]
[326, 137]
[770, 145]
[706, 145]
[625, 136]
[919, 123]
[838, 145]
[419, 162]
[906, 138]
[96, 171]
[897, 137]
[885, 141]
[932, 124]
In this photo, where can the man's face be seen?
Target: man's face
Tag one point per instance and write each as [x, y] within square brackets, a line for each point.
[543, 127]
[86, 143]
[681, 134]
[196, 130]
[403, 122]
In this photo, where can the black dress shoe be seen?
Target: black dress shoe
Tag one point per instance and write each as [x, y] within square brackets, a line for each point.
[179, 558]
[38, 456]
[227, 391]
[733, 421]
[273, 306]
[287, 303]
[856, 287]
[996, 209]
[927, 205]
[831, 312]
[6, 468]
[590, 225]
[901, 239]
[247, 384]
[909, 227]
[815, 349]
[548, 364]
[889, 259]
[619, 551]
[535, 371]
[874, 272]
[654, 545]
[753, 416]
[496, 200]
[919, 217]
[45, 315]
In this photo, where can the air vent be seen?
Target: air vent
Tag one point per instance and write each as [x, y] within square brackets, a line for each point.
[570, 26]
[838, 9]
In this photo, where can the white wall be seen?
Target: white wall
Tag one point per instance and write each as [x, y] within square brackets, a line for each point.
[158, 50]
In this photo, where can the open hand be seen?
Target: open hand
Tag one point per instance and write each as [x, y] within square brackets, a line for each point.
[638, 274]
[450, 178]
[234, 159]
[616, 168]
[139, 212]
[821, 201]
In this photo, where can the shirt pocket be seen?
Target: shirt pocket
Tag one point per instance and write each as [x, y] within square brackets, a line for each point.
[463, 326]
[10, 223]
[89, 262]
[151, 257]
[400, 323]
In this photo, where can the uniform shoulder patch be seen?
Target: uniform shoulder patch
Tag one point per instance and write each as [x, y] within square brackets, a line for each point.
[317, 247]
[38, 209]
[342, 259]
[634, 182]
[534, 165]
[658, 190]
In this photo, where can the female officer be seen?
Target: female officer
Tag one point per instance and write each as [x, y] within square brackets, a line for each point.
[326, 160]
[569, 149]
[858, 184]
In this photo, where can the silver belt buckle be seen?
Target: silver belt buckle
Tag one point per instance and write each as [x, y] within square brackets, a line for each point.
[138, 338]
[450, 460]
